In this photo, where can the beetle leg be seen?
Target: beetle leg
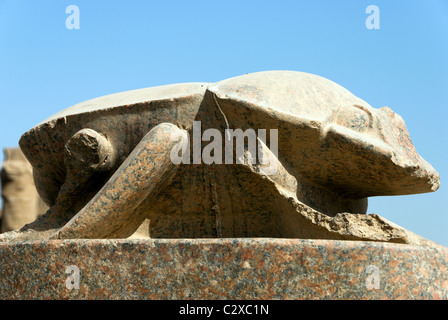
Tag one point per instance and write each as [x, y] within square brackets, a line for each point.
[88, 158]
[111, 212]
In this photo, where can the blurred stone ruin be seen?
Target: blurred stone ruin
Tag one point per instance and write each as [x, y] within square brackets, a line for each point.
[21, 202]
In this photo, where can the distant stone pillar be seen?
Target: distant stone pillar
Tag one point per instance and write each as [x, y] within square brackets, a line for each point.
[21, 202]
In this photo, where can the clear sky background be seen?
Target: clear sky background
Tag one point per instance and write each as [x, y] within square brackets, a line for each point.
[125, 45]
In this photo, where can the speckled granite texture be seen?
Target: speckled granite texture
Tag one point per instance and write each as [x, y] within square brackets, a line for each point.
[237, 268]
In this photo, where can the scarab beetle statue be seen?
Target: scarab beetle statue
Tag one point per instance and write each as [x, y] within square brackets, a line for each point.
[105, 166]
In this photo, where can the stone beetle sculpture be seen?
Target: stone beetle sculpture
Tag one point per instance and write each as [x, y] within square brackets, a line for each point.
[105, 166]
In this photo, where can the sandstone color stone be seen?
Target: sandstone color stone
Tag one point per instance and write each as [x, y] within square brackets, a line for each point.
[102, 165]
[21, 202]
[105, 167]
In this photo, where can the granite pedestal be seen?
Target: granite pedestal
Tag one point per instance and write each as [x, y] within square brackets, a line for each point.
[240, 268]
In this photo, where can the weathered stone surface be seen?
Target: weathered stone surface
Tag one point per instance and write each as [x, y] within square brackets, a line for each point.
[21, 202]
[223, 269]
[334, 151]
[106, 169]
[112, 213]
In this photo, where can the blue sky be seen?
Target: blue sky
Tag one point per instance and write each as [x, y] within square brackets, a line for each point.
[125, 45]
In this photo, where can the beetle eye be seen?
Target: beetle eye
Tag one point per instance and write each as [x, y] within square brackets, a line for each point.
[355, 117]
